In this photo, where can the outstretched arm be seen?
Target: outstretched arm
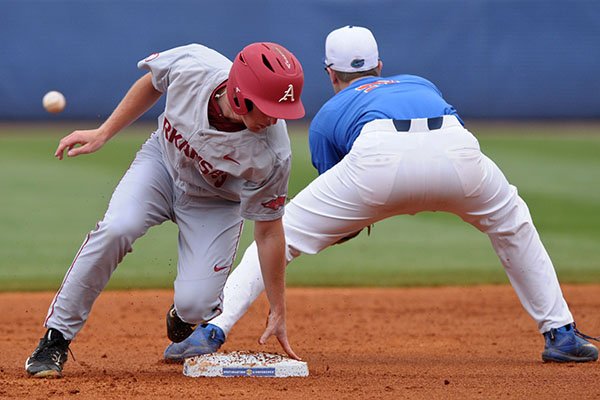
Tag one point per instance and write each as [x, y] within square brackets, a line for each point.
[141, 96]
[270, 241]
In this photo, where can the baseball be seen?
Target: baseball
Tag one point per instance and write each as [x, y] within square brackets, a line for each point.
[54, 102]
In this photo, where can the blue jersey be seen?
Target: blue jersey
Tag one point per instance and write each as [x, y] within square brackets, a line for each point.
[339, 122]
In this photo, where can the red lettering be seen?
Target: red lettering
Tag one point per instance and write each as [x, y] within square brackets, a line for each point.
[166, 128]
[170, 132]
[370, 86]
[205, 166]
[183, 145]
[174, 137]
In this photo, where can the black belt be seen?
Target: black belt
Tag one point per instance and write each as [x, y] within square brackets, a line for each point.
[403, 125]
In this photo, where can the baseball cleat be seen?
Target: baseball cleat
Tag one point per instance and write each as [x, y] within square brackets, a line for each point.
[48, 358]
[567, 344]
[177, 329]
[205, 339]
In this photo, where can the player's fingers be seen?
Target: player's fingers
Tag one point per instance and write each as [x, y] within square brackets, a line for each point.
[86, 147]
[75, 151]
[265, 336]
[285, 344]
[60, 150]
[66, 143]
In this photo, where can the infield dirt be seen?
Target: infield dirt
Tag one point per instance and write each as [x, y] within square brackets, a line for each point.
[417, 343]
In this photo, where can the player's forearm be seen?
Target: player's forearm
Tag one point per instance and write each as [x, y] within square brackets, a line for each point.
[141, 96]
[270, 241]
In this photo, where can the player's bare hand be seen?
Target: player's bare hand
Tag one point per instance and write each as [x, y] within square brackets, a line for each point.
[276, 327]
[80, 142]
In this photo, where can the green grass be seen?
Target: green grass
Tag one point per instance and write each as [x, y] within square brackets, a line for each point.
[48, 206]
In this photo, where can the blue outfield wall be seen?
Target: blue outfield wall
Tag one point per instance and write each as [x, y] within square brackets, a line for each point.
[490, 58]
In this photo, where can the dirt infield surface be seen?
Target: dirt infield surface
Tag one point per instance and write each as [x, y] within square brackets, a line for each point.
[423, 343]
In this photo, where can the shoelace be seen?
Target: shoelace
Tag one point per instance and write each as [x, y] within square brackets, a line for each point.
[47, 351]
[51, 348]
[71, 353]
[576, 332]
[584, 336]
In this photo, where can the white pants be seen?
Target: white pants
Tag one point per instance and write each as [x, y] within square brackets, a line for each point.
[209, 232]
[392, 173]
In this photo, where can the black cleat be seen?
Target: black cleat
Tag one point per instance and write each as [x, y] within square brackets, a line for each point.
[177, 329]
[48, 358]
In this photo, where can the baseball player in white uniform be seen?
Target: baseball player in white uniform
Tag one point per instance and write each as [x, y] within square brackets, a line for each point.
[392, 146]
[220, 155]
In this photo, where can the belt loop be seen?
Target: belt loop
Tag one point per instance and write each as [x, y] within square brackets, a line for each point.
[435, 123]
[402, 125]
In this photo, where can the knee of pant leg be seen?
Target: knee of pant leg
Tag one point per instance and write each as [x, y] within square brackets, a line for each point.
[124, 226]
[511, 220]
[196, 309]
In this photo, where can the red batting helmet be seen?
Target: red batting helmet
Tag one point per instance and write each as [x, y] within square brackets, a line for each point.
[271, 77]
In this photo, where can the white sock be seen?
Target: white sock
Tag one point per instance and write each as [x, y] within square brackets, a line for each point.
[242, 288]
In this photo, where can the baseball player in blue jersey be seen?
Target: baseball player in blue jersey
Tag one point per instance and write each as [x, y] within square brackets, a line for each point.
[220, 155]
[392, 146]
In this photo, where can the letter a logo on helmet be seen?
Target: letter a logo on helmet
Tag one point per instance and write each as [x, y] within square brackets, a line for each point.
[271, 77]
[289, 94]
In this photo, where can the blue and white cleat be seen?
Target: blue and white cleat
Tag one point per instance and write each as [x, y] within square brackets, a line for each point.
[567, 344]
[205, 339]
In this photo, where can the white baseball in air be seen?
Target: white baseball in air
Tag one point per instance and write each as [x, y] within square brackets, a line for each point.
[54, 102]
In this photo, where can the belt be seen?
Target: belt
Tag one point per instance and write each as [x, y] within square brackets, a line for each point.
[403, 125]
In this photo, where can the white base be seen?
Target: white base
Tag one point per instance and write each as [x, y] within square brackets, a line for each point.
[243, 364]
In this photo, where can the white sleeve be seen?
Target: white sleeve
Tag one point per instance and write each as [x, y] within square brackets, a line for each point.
[265, 201]
[191, 62]
[160, 65]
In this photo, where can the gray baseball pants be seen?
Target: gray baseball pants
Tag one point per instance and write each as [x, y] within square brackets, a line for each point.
[209, 232]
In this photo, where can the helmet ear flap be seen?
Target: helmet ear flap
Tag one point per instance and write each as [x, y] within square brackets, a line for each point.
[245, 107]
[236, 101]
[235, 96]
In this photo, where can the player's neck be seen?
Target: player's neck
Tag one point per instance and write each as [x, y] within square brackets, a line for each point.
[226, 109]
[339, 85]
